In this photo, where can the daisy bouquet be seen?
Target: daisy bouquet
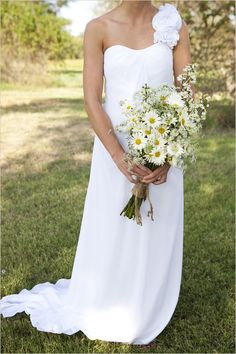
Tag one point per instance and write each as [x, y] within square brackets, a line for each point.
[160, 127]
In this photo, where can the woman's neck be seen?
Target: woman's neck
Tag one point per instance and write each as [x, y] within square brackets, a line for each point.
[137, 11]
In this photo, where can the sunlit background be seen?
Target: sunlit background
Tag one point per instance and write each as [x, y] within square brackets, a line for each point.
[79, 13]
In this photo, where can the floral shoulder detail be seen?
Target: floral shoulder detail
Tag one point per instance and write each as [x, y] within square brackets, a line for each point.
[167, 24]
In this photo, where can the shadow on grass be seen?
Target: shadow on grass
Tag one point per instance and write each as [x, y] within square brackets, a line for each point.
[45, 105]
[65, 72]
[59, 138]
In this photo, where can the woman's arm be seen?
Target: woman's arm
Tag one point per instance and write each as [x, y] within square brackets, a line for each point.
[182, 54]
[93, 87]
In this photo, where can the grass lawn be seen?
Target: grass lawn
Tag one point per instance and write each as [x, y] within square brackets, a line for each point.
[46, 154]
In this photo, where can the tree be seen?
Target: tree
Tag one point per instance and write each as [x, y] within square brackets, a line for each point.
[212, 36]
[31, 32]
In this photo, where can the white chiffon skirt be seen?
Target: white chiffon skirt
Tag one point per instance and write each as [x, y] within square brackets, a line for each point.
[126, 278]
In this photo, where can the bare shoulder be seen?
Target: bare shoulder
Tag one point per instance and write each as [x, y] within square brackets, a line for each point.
[182, 51]
[96, 29]
[93, 35]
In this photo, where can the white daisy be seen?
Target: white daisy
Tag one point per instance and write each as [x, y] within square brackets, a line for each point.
[157, 156]
[127, 106]
[184, 118]
[146, 130]
[162, 93]
[174, 133]
[174, 161]
[175, 100]
[162, 130]
[157, 141]
[132, 121]
[174, 149]
[152, 119]
[138, 141]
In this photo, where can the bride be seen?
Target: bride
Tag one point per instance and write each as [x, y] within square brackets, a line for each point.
[126, 278]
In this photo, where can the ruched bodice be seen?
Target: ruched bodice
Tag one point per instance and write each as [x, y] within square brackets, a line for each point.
[126, 70]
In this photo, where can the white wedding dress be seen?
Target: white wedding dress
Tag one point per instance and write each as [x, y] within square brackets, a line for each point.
[126, 278]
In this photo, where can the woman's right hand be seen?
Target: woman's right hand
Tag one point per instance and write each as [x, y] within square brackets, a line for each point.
[136, 170]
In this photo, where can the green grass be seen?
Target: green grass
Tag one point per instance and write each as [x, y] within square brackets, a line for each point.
[46, 158]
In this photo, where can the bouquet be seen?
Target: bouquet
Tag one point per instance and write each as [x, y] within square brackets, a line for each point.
[160, 127]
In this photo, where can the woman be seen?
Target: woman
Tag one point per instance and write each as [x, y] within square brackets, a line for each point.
[126, 278]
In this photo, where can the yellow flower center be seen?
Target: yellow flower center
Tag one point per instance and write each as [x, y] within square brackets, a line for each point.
[157, 154]
[129, 107]
[163, 98]
[133, 119]
[157, 142]
[147, 132]
[182, 121]
[138, 141]
[161, 130]
[152, 120]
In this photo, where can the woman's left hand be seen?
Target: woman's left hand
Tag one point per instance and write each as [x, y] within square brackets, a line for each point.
[158, 176]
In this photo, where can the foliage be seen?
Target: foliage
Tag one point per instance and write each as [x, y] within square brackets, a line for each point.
[33, 26]
[31, 33]
[76, 49]
[211, 26]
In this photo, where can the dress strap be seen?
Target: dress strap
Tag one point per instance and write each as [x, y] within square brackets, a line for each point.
[167, 23]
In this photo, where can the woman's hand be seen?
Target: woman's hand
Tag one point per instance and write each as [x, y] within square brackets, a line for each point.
[136, 170]
[159, 175]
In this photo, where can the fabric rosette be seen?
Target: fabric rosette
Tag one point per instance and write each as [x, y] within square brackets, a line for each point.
[167, 23]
